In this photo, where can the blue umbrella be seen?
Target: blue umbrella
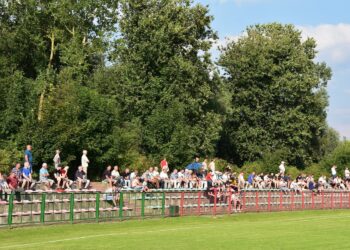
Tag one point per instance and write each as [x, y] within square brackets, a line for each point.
[194, 166]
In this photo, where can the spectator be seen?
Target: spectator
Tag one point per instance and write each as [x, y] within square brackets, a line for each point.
[13, 185]
[126, 174]
[28, 157]
[57, 175]
[85, 161]
[334, 171]
[107, 176]
[347, 174]
[17, 171]
[57, 159]
[64, 178]
[116, 176]
[44, 176]
[4, 188]
[164, 165]
[282, 168]
[27, 180]
[205, 165]
[164, 178]
[251, 179]
[81, 178]
[133, 175]
[212, 165]
[241, 181]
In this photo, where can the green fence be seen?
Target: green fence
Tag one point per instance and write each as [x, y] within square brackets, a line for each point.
[52, 207]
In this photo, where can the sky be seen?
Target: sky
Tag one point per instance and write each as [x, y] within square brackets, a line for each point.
[326, 21]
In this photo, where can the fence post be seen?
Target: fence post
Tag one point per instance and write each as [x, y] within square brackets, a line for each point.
[42, 208]
[244, 201]
[281, 200]
[121, 205]
[163, 204]
[182, 203]
[256, 200]
[143, 205]
[322, 204]
[302, 200]
[341, 200]
[97, 215]
[10, 211]
[292, 200]
[332, 197]
[269, 200]
[312, 200]
[199, 203]
[71, 207]
[230, 202]
[215, 200]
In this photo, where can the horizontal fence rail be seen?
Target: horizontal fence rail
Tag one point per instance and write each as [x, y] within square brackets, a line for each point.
[52, 207]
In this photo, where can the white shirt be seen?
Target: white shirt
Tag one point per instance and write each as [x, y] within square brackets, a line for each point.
[212, 166]
[84, 161]
[132, 176]
[115, 173]
[163, 175]
[57, 160]
[347, 173]
[334, 172]
[282, 168]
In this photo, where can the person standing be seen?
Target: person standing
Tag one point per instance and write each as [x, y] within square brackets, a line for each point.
[85, 162]
[28, 157]
[57, 159]
[282, 168]
[164, 165]
[212, 166]
[334, 171]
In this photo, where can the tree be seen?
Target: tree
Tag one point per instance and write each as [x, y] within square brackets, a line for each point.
[279, 96]
[163, 64]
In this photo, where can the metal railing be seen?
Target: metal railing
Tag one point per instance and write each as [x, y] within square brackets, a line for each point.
[53, 207]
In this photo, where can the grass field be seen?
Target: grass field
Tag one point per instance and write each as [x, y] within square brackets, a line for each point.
[283, 230]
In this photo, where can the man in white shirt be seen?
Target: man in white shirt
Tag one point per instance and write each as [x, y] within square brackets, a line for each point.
[334, 171]
[57, 159]
[282, 168]
[85, 161]
[347, 173]
[212, 166]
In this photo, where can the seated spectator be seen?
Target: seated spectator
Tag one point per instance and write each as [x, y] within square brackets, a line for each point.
[107, 176]
[44, 176]
[18, 172]
[174, 179]
[116, 176]
[4, 188]
[81, 178]
[137, 184]
[27, 180]
[126, 174]
[164, 179]
[13, 185]
[57, 175]
[64, 178]
[133, 175]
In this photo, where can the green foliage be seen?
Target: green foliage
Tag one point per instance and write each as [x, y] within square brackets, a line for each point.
[339, 157]
[278, 94]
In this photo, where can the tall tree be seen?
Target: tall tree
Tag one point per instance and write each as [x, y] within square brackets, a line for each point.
[163, 61]
[279, 96]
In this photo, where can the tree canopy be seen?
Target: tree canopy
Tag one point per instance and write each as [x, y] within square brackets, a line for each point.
[134, 81]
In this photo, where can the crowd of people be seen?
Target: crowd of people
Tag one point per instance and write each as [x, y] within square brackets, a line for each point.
[197, 175]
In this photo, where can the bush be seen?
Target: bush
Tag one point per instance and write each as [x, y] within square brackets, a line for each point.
[340, 157]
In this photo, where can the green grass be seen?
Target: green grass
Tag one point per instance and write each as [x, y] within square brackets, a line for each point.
[283, 230]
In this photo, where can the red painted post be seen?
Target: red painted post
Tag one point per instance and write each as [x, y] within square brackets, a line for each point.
[312, 200]
[292, 201]
[332, 200]
[257, 201]
[215, 198]
[243, 201]
[182, 204]
[302, 200]
[322, 205]
[341, 200]
[229, 202]
[281, 201]
[269, 201]
[199, 203]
